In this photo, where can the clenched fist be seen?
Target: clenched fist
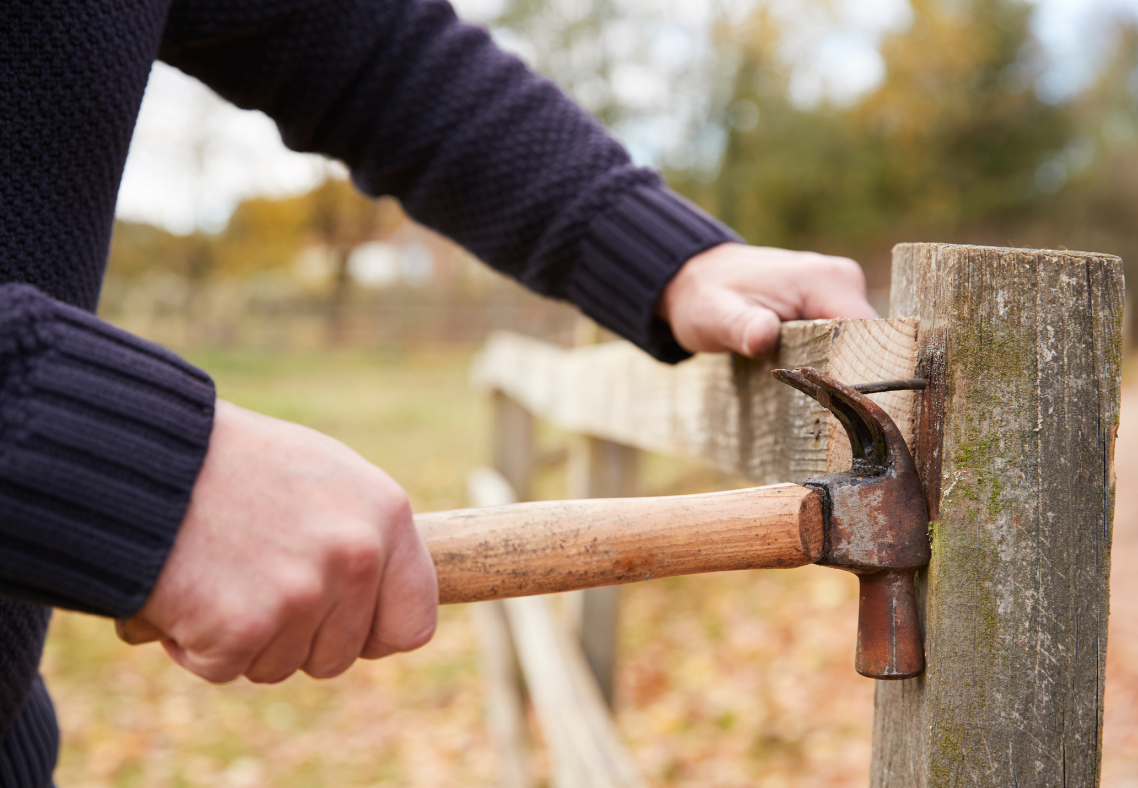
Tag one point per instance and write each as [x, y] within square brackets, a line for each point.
[733, 297]
[295, 554]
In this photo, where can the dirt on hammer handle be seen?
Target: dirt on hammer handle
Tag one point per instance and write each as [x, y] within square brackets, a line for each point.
[550, 546]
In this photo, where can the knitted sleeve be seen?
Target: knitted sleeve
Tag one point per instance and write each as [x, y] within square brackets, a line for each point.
[428, 109]
[101, 439]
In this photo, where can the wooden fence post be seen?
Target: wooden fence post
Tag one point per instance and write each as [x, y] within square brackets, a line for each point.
[599, 469]
[513, 457]
[1015, 445]
[513, 451]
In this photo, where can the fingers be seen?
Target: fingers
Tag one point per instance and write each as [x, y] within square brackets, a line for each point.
[341, 637]
[727, 321]
[225, 652]
[290, 649]
[836, 289]
[406, 615]
[733, 297]
[320, 624]
[294, 553]
[340, 640]
[759, 334]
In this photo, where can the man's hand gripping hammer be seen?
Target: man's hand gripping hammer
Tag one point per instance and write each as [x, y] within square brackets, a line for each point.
[870, 520]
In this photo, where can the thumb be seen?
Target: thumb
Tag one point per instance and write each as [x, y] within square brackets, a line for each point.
[757, 331]
[721, 320]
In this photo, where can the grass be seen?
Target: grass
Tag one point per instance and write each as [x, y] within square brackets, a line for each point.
[737, 679]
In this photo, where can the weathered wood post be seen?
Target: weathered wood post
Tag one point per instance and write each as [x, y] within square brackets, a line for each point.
[1023, 351]
[512, 443]
[512, 446]
[599, 468]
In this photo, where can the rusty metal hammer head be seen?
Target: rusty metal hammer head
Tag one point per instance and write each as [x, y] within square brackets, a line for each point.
[876, 526]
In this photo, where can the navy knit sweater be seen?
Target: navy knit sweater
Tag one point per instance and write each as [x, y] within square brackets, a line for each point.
[102, 434]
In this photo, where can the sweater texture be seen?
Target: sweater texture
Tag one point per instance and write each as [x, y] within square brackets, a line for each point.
[102, 434]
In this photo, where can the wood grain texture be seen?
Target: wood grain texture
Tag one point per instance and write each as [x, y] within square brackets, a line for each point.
[552, 546]
[1016, 438]
[724, 409]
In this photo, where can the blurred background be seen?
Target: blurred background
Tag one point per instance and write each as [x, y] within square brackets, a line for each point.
[841, 126]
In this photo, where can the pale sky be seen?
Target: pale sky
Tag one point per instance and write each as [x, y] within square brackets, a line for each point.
[194, 157]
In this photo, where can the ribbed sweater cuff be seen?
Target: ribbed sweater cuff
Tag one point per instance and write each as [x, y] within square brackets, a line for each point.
[630, 253]
[30, 748]
[102, 436]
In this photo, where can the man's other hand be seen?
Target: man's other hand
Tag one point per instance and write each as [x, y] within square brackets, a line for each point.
[733, 297]
[295, 554]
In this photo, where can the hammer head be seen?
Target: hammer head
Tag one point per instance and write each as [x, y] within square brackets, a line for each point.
[876, 526]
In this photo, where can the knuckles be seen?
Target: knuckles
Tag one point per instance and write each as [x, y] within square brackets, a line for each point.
[300, 592]
[842, 269]
[245, 631]
[357, 557]
[392, 507]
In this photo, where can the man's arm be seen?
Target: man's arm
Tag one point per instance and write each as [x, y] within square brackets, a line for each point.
[101, 438]
[428, 109]
[425, 108]
[291, 551]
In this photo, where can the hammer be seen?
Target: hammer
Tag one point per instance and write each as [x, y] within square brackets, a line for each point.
[870, 520]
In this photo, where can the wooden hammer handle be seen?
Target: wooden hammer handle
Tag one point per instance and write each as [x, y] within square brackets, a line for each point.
[522, 549]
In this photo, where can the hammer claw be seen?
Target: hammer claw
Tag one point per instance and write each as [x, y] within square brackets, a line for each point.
[795, 380]
[864, 421]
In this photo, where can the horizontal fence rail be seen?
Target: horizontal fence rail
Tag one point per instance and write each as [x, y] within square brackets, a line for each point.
[724, 409]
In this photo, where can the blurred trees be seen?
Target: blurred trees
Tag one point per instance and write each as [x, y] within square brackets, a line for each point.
[340, 218]
[263, 235]
[1096, 174]
[568, 43]
[955, 144]
[647, 70]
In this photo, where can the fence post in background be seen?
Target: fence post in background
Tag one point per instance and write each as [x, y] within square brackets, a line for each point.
[1015, 445]
[513, 455]
[599, 468]
[512, 449]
